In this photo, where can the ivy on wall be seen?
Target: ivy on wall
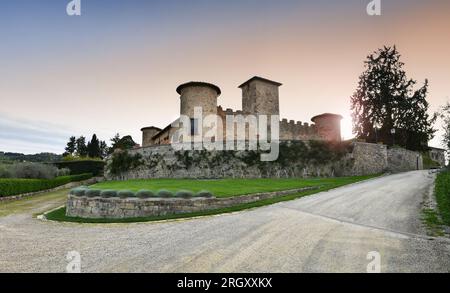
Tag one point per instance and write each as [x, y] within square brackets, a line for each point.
[122, 161]
[295, 158]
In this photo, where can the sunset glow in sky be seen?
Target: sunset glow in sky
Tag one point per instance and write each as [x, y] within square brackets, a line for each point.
[115, 68]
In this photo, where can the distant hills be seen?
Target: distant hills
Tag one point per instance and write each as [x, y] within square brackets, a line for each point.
[19, 157]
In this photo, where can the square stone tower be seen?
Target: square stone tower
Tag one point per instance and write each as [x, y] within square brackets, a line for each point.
[260, 96]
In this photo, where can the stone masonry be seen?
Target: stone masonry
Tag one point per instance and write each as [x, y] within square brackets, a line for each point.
[260, 96]
[118, 208]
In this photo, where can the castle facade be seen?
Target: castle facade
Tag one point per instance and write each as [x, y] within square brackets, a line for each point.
[260, 96]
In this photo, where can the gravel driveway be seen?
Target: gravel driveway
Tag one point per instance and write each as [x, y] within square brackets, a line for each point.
[327, 232]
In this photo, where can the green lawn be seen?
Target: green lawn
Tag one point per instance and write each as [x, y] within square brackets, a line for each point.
[36, 204]
[224, 187]
[324, 184]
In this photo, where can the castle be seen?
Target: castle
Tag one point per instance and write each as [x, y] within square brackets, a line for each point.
[260, 96]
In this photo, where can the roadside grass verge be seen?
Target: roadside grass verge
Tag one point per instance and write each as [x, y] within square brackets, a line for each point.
[433, 223]
[36, 204]
[222, 187]
[442, 192]
[327, 184]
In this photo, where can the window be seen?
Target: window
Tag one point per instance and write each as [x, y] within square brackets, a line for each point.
[194, 127]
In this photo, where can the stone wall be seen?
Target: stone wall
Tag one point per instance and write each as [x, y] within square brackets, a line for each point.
[438, 155]
[401, 160]
[118, 208]
[360, 159]
[368, 158]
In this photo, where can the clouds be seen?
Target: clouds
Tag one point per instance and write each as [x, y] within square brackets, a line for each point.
[31, 136]
[116, 67]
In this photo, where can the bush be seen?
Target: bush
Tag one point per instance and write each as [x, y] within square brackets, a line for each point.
[4, 172]
[164, 193]
[63, 172]
[125, 194]
[33, 171]
[184, 194]
[81, 167]
[108, 193]
[79, 191]
[10, 187]
[92, 192]
[122, 161]
[204, 193]
[145, 193]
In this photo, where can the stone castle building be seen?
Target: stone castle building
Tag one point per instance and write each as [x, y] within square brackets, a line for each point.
[260, 96]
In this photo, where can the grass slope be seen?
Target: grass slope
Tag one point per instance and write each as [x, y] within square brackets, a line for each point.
[223, 187]
[442, 191]
[326, 184]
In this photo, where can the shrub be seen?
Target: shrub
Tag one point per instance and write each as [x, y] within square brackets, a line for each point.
[10, 187]
[125, 194]
[122, 161]
[79, 191]
[92, 192]
[81, 167]
[184, 194]
[108, 193]
[63, 172]
[164, 193]
[204, 193]
[33, 171]
[145, 193]
[4, 172]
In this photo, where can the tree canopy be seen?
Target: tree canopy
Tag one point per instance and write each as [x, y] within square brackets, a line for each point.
[385, 101]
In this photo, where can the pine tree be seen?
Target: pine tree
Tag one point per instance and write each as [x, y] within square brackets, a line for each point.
[103, 149]
[81, 147]
[93, 147]
[385, 100]
[71, 146]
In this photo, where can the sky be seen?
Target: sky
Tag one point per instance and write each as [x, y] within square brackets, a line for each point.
[115, 68]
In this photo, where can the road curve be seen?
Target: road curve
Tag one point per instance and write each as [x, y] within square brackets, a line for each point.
[328, 232]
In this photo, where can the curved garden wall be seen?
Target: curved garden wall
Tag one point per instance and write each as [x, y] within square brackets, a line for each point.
[122, 208]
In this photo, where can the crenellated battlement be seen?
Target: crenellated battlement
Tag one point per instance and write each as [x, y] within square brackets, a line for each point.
[297, 130]
[260, 96]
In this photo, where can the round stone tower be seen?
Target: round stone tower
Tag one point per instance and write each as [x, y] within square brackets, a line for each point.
[328, 126]
[198, 94]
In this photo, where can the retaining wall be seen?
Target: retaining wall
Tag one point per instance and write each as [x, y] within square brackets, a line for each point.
[401, 160]
[119, 208]
[363, 159]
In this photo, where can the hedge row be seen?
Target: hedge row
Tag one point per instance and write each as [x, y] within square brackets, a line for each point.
[10, 187]
[86, 191]
[82, 167]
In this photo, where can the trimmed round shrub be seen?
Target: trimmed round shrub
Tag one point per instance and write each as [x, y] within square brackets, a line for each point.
[145, 193]
[108, 193]
[125, 194]
[79, 191]
[184, 194]
[165, 193]
[204, 193]
[92, 192]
